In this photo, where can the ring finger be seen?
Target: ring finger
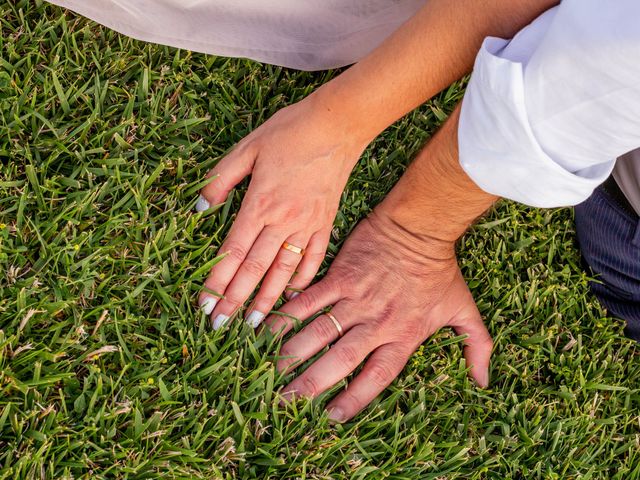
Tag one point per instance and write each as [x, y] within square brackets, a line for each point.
[277, 278]
[315, 336]
[313, 257]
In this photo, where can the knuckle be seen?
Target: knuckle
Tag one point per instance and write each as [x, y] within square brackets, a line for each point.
[286, 358]
[314, 256]
[232, 301]
[220, 183]
[246, 146]
[254, 267]
[285, 351]
[307, 300]
[286, 354]
[414, 332]
[333, 284]
[346, 354]
[292, 212]
[349, 275]
[411, 340]
[380, 374]
[285, 264]
[354, 403]
[310, 386]
[487, 342]
[258, 203]
[235, 251]
[321, 329]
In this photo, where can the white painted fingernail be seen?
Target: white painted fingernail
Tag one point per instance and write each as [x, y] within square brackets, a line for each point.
[255, 318]
[220, 321]
[293, 295]
[202, 204]
[208, 304]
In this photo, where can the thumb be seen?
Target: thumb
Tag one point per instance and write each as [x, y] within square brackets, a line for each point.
[477, 346]
[227, 174]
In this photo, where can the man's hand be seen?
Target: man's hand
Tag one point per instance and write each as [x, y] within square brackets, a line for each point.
[394, 283]
[389, 293]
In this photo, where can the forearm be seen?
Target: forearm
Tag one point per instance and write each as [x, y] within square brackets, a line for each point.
[430, 51]
[435, 200]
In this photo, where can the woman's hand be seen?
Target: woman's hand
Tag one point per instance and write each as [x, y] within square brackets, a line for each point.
[301, 157]
[389, 291]
[299, 161]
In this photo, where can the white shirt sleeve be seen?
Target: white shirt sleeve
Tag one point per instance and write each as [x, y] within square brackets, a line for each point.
[546, 114]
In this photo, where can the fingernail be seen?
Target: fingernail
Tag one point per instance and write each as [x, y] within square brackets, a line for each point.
[208, 304]
[220, 321]
[293, 295]
[336, 414]
[482, 379]
[255, 318]
[202, 204]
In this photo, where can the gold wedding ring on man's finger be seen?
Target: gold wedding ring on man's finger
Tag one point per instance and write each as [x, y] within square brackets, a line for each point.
[335, 322]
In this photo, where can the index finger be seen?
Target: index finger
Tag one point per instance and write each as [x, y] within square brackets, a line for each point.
[229, 171]
[324, 293]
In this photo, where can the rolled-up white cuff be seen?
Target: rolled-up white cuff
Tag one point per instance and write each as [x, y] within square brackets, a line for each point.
[498, 149]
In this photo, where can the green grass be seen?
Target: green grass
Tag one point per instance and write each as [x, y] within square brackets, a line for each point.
[103, 143]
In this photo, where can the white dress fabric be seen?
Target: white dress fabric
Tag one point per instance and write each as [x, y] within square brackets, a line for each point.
[301, 34]
[547, 114]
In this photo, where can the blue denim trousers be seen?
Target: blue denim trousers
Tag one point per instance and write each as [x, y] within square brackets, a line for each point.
[609, 238]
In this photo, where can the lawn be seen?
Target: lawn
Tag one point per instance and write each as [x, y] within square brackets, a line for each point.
[108, 369]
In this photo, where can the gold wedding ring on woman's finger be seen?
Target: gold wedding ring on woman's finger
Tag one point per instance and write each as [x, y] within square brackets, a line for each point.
[293, 248]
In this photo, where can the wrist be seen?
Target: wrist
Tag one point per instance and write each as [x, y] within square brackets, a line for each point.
[423, 223]
[435, 198]
[406, 241]
[339, 105]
